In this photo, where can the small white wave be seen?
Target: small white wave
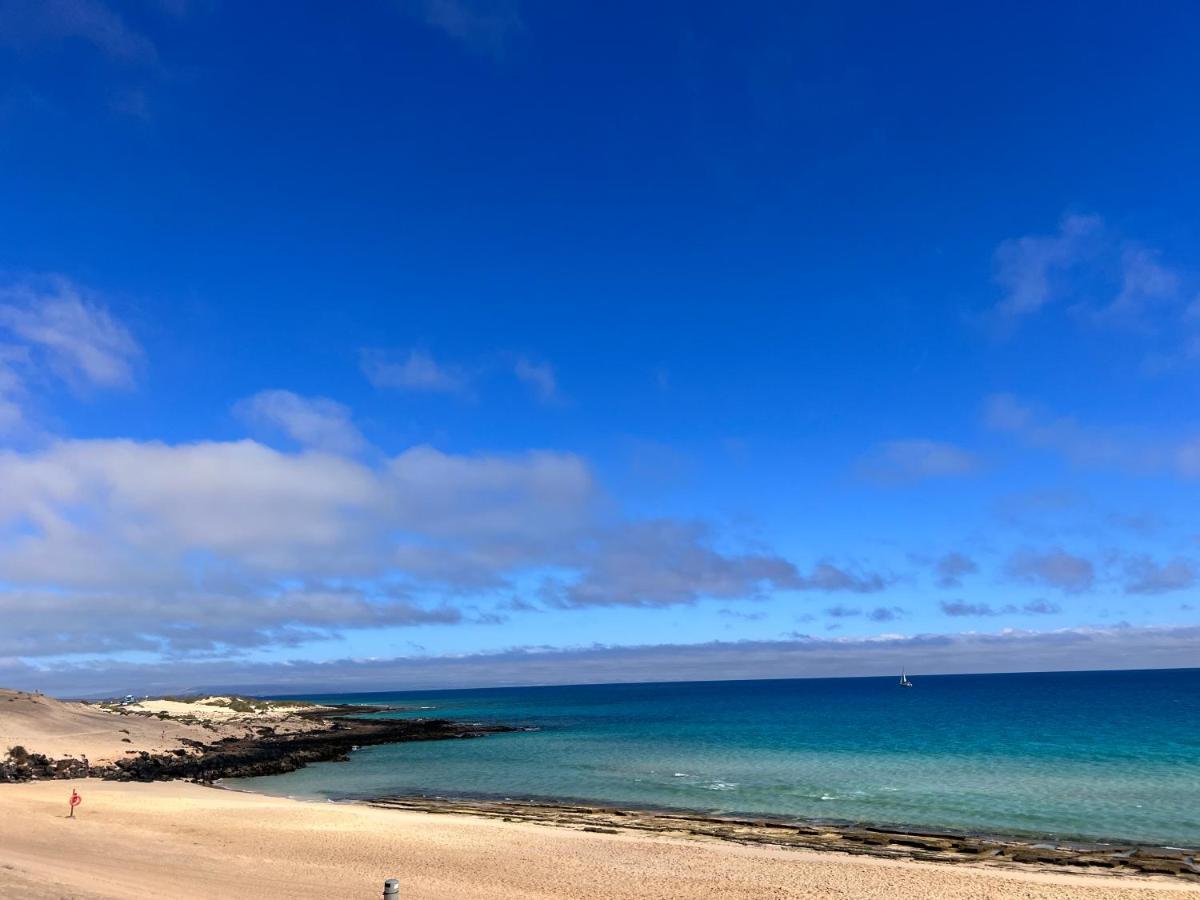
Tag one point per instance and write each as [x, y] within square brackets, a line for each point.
[828, 797]
[682, 775]
[721, 786]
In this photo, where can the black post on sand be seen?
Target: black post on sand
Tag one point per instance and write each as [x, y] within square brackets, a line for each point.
[391, 889]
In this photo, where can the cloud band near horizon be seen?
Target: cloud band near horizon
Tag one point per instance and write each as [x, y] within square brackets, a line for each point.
[1008, 650]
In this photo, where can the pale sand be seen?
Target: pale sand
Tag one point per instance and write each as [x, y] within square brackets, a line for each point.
[60, 729]
[182, 840]
[209, 709]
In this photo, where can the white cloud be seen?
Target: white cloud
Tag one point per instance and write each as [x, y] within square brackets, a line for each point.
[178, 530]
[76, 337]
[115, 513]
[315, 422]
[172, 534]
[415, 371]
[118, 513]
[122, 523]
[534, 497]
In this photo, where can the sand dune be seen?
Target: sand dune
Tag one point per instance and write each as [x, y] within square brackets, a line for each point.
[182, 840]
[61, 729]
[216, 709]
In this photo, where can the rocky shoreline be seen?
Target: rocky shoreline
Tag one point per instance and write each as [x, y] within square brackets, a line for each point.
[862, 840]
[270, 745]
[269, 751]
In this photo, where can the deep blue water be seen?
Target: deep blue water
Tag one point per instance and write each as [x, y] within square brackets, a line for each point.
[1105, 755]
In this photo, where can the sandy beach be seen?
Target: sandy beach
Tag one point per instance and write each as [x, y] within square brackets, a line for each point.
[183, 840]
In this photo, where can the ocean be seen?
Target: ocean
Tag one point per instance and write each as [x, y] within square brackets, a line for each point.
[1079, 755]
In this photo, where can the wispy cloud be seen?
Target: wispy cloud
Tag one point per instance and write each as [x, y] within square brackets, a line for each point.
[1053, 568]
[1027, 267]
[1145, 283]
[742, 614]
[1102, 279]
[951, 567]
[539, 376]
[315, 422]
[916, 459]
[1144, 575]
[25, 23]
[53, 330]
[827, 576]
[665, 562]
[199, 621]
[76, 336]
[1091, 446]
[487, 26]
[878, 614]
[960, 608]
[12, 388]
[415, 370]
[1004, 651]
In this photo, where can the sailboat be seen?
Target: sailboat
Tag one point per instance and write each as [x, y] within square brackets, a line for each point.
[904, 682]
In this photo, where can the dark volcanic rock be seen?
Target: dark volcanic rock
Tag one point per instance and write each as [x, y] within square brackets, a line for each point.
[35, 766]
[942, 847]
[274, 753]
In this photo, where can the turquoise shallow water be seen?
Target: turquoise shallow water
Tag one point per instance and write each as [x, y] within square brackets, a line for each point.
[1101, 755]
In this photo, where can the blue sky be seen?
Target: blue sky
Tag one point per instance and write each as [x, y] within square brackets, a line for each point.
[513, 330]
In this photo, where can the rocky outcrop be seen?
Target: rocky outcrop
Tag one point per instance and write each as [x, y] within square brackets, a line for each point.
[20, 765]
[268, 751]
[271, 753]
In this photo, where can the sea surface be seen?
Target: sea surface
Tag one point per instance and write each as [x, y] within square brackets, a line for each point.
[1083, 755]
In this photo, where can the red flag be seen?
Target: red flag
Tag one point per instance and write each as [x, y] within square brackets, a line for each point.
[75, 799]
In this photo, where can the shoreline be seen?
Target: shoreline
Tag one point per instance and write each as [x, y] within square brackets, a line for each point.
[484, 800]
[280, 745]
[1111, 858]
[210, 842]
[942, 846]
